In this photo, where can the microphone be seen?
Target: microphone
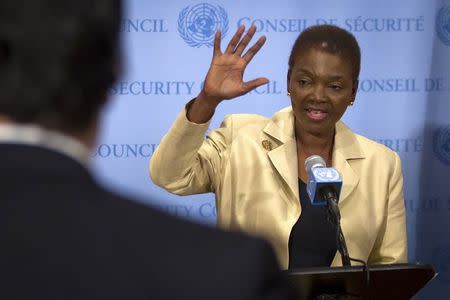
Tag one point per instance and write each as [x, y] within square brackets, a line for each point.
[323, 188]
[323, 183]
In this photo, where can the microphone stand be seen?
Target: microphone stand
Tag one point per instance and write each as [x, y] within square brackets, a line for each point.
[335, 218]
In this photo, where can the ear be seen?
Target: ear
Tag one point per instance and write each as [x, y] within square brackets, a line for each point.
[354, 90]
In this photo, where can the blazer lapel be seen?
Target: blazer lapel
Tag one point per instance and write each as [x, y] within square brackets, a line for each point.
[284, 160]
[346, 149]
[284, 153]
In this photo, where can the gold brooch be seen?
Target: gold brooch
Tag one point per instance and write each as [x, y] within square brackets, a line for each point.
[267, 145]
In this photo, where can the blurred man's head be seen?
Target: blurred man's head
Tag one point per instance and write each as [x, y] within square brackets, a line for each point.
[58, 60]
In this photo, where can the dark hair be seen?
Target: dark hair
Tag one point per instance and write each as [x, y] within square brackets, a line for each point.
[331, 39]
[58, 60]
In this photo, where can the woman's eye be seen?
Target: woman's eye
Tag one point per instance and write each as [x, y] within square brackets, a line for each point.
[336, 87]
[303, 82]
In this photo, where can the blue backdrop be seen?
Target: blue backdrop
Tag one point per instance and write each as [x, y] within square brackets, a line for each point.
[403, 99]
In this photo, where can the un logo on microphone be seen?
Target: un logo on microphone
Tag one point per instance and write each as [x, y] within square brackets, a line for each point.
[327, 174]
[198, 24]
[443, 25]
[441, 144]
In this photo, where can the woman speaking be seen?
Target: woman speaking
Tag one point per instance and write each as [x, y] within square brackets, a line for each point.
[255, 165]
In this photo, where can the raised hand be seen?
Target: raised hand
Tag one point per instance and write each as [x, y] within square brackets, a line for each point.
[224, 79]
[225, 76]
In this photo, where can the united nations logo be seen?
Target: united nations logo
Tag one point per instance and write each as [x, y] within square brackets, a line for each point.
[198, 24]
[327, 174]
[441, 261]
[443, 25]
[441, 144]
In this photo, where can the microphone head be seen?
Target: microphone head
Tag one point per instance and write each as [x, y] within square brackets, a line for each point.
[314, 161]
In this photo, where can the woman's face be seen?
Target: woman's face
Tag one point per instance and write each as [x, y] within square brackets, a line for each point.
[321, 87]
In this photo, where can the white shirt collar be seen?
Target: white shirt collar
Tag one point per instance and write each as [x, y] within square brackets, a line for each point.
[38, 136]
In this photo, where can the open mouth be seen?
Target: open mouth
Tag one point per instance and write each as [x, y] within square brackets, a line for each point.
[316, 114]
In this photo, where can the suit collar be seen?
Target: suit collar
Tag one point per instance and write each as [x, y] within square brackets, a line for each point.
[31, 161]
[33, 135]
[346, 144]
[346, 152]
[280, 133]
[281, 126]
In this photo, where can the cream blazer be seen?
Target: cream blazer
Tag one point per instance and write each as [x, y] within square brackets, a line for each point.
[250, 163]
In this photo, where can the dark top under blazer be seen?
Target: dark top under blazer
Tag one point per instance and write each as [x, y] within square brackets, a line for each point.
[64, 237]
[312, 242]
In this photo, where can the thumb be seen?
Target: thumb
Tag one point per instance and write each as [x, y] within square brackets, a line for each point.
[253, 84]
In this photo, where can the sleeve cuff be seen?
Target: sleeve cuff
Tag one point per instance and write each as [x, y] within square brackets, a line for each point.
[182, 126]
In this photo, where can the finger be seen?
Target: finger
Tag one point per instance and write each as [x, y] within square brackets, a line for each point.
[254, 49]
[235, 39]
[253, 84]
[217, 38]
[244, 42]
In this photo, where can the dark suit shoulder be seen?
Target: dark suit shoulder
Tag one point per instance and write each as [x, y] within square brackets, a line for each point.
[229, 262]
[132, 212]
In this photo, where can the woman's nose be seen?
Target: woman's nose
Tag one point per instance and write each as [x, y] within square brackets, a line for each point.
[318, 93]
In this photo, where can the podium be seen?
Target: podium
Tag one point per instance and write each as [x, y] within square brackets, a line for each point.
[397, 281]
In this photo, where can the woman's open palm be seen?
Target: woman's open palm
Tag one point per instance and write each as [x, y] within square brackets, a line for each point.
[225, 75]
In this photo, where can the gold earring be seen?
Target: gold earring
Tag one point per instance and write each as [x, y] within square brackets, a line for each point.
[288, 94]
[351, 103]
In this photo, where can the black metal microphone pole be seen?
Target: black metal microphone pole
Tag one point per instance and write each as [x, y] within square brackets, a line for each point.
[335, 218]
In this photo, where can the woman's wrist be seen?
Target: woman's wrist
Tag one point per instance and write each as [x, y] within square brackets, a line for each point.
[202, 108]
[207, 101]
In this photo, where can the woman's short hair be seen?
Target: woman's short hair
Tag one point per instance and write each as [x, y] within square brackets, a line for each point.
[330, 39]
